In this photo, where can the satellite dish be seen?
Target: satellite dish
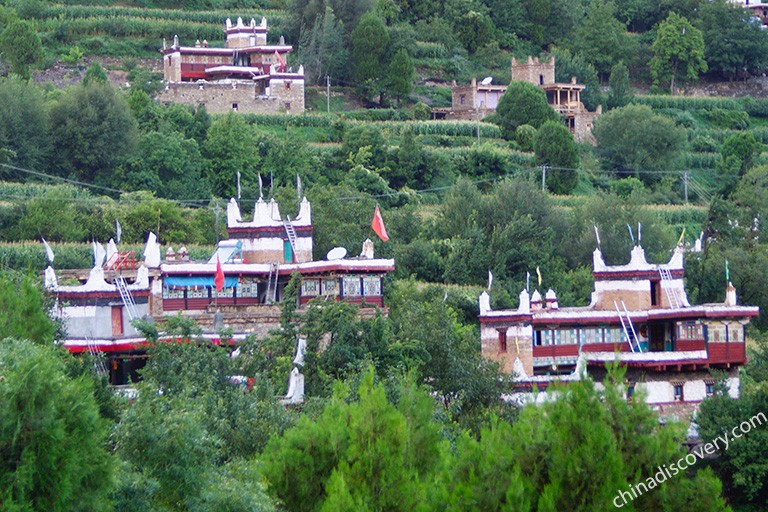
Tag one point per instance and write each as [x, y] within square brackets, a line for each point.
[487, 80]
[337, 253]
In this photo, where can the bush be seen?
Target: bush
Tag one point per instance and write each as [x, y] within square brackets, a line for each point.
[704, 144]
[731, 119]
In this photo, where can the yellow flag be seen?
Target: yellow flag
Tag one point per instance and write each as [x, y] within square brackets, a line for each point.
[682, 235]
[538, 273]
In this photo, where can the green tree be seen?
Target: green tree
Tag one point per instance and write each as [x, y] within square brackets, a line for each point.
[369, 55]
[569, 66]
[95, 74]
[739, 152]
[678, 52]
[229, 148]
[93, 131]
[361, 453]
[22, 310]
[633, 140]
[322, 49]
[575, 452]
[53, 452]
[554, 147]
[20, 46]
[600, 38]
[169, 164]
[523, 103]
[24, 130]
[742, 466]
[734, 43]
[620, 89]
[401, 75]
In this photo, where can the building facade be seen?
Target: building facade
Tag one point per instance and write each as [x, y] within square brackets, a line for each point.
[246, 75]
[257, 262]
[478, 99]
[640, 317]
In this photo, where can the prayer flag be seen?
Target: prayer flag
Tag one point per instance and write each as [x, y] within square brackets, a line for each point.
[48, 251]
[377, 225]
[538, 273]
[219, 279]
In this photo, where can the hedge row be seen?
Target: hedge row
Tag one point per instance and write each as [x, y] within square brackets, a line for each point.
[756, 107]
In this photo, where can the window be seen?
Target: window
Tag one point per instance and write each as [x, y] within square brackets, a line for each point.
[330, 286]
[503, 340]
[310, 287]
[630, 393]
[287, 105]
[352, 286]
[234, 107]
[537, 338]
[541, 79]
[710, 388]
[677, 391]
[462, 99]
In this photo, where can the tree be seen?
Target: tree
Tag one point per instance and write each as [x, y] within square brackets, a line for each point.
[575, 451]
[22, 312]
[679, 52]
[24, 130]
[523, 103]
[20, 46]
[569, 66]
[322, 49]
[742, 466]
[600, 38]
[95, 74]
[633, 140]
[401, 74]
[92, 131]
[169, 164]
[620, 90]
[554, 147]
[738, 152]
[363, 452]
[369, 55]
[229, 148]
[734, 43]
[53, 452]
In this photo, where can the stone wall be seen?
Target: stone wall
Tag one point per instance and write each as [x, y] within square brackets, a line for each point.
[240, 96]
[533, 71]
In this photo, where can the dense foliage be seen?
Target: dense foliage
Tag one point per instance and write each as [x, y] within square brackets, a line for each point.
[403, 412]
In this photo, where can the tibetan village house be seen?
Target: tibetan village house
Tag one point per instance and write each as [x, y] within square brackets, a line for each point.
[639, 316]
[257, 261]
[247, 75]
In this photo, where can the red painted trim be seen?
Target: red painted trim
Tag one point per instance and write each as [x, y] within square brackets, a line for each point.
[70, 295]
[244, 232]
[324, 269]
[622, 275]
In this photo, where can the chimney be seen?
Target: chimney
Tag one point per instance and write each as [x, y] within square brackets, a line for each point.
[551, 298]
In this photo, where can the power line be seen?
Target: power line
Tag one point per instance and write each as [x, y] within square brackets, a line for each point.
[59, 178]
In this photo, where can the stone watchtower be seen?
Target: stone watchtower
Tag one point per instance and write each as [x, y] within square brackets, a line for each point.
[534, 71]
[246, 36]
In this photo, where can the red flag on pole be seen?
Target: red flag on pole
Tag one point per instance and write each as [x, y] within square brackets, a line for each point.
[281, 61]
[378, 225]
[219, 279]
